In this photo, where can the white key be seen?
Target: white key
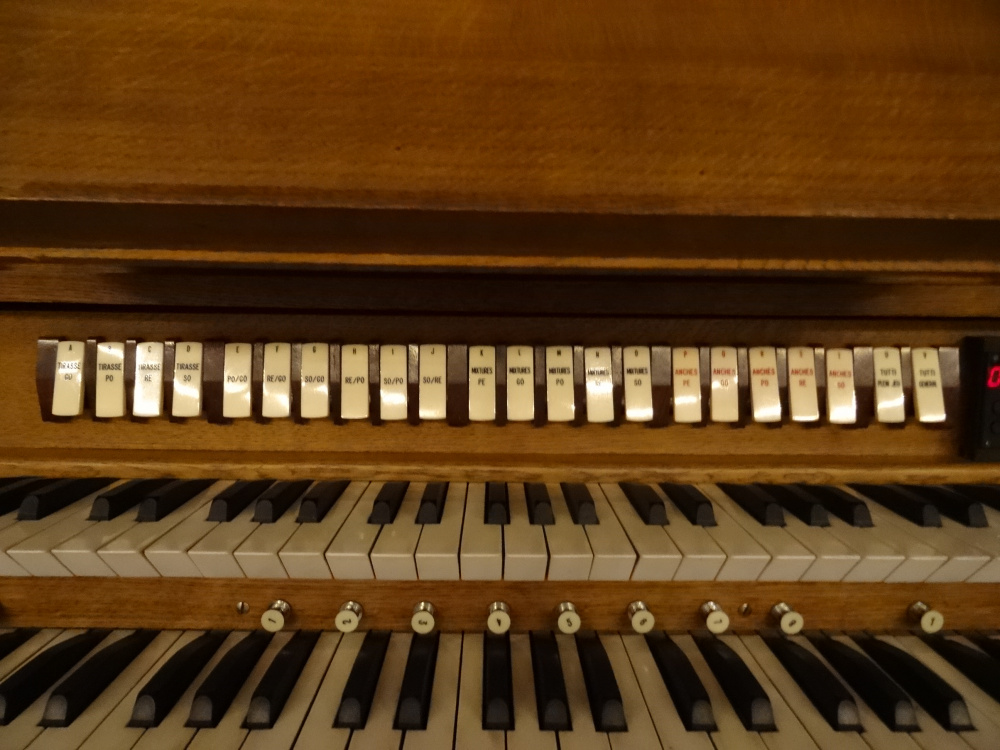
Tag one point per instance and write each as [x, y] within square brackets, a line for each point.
[393, 554]
[701, 557]
[789, 559]
[988, 540]
[35, 553]
[67, 388]
[214, 553]
[27, 650]
[614, 556]
[746, 560]
[765, 396]
[687, 384]
[257, 556]
[482, 383]
[469, 730]
[347, 555]
[187, 379]
[637, 377]
[570, 554]
[124, 554]
[276, 401]
[109, 380]
[13, 531]
[282, 735]
[444, 698]
[318, 730]
[841, 398]
[79, 553]
[433, 388]
[583, 735]
[378, 733]
[437, 551]
[657, 556]
[803, 399]
[481, 555]
[668, 724]
[878, 558]
[237, 381]
[147, 397]
[520, 383]
[928, 392]
[641, 731]
[525, 554]
[314, 375]
[392, 381]
[559, 392]
[303, 556]
[725, 400]
[169, 553]
[834, 559]
[731, 735]
[600, 385]
[354, 381]
[889, 405]
[526, 734]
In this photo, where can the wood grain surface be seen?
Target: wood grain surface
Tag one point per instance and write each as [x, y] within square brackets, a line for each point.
[723, 107]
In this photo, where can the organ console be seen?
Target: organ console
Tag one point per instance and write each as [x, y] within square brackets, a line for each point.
[463, 374]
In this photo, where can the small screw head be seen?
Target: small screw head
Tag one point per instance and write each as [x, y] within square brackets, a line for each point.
[242, 607]
[745, 609]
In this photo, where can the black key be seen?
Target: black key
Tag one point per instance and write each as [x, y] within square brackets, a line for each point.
[745, 694]
[978, 666]
[13, 494]
[901, 502]
[497, 508]
[498, 684]
[15, 639]
[165, 500]
[687, 692]
[418, 681]
[966, 510]
[539, 504]
[73, 695]
[828, 694]
[945, 705]
[606, 706]
[987, 494]
[807, 508]
[277, 499]
[875, 687]
[359, 691]
[30, 681]
[387, 502]
[756, 502]
[842, 504]
[217, 691]
[231, 501]
[990, 645]
[55, 496]
[550, 687]
[580, 503]
[318, 501]
[117, 500]
[5, 481]
[432, 503]
[161, 693]
[646, 502]
[276, 685]
[691, 502]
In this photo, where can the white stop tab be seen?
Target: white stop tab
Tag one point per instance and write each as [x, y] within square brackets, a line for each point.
[67, 390]
[277, 388]
[687, 384]
[520, 383]
[147, 396]
[314, 373]
[928, 392]
[187, 379]
[841, 398]
[237, 374]
[765, 396]
[433, 389]
[600, 384]
[392, 381]
[636, 374]
[725, 400]
[109, 397]
[354, 381]
[803, 398]
[889, 404]
[482, 383]
[559, 393]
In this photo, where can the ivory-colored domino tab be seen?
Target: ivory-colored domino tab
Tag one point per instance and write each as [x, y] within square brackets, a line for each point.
[67, 389]
[637, 379]
[568, 619]
[147, 396]
[841, 398]
[187, 379]
[392, 381]
[928, 392]
[803, 398]
[276, 401]
[600, 384]
[520, 383]
[725, 398]
[354, 381]
[109, 381]
[889, 404]
[687, 384]
[433, 388]
[314, 377]
[482, 383]
[765, 396]
[559, 392]
[237, 379]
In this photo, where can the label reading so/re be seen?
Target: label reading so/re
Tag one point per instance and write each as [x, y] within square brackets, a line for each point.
[433, 391]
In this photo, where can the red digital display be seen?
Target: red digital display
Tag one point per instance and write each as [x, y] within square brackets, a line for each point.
[993, 377]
